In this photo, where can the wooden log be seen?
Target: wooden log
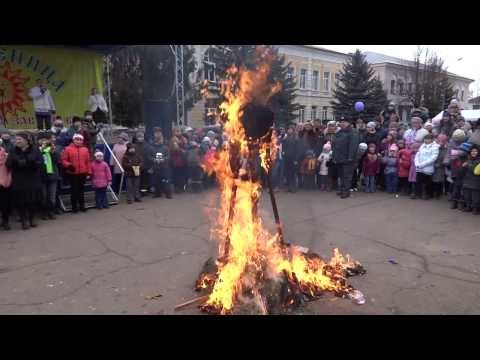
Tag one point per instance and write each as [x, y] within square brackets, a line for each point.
[190, 302]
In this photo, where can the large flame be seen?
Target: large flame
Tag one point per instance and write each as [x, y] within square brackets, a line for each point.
[248, 252]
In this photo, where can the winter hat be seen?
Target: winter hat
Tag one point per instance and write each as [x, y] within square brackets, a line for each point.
[331, 123]
[372, 125]
[206, 139]
[327, 146]
[43, 135]
[363, 147]
[211, 133]
[98, 153]
[78, 136]
[394, 147]
[421, 133]
[465, 147]
[459, 135]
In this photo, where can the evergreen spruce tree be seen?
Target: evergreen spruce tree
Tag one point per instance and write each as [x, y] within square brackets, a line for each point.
[357, 82]
[283, 103]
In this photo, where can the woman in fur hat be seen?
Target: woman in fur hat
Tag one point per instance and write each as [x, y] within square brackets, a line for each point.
[25, 163]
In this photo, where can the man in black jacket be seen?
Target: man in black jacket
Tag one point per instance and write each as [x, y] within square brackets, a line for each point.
[290, 153]
[345, 149]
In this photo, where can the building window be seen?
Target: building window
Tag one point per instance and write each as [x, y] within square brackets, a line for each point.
[290, 72]
[313, 114]
[400, 87]
[303, 78]
[392, 87]
[301, 114]
[410, 87]
[461, 98]
[315, 80]
[324, 113]
[326, 81]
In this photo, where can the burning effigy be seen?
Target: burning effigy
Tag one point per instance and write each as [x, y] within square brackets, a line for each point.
[255, 267]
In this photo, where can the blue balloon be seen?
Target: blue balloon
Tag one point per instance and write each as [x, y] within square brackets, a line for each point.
[359, 106]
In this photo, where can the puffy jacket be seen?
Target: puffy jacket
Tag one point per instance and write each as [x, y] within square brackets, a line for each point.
[391, 164]
[426, 157]
[404, 162]
[471, 181]
[76, 160]
[440, 165]
[291, 149]
[26, 168]
[129, 161]
[345, 146]
[323, 159]
[101, 174]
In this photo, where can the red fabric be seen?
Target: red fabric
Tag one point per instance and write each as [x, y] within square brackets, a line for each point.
[371, 165]
[101, 174]
[405, 159]
[76, 160]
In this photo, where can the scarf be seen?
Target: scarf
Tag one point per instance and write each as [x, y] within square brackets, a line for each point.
[47, 159]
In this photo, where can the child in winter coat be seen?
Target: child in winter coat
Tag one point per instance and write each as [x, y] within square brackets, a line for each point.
[404, 162]
[308, 169]
[424, 162]
[412, 174]
[438, 178]
[471, 182]
[391, 169]
[101, 179]
[323, 159]
[371, 168]
[132, 164]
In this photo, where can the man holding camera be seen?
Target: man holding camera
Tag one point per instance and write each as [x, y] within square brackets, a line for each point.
[43, 105]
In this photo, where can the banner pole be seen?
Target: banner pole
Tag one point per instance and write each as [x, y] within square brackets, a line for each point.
[109, 97]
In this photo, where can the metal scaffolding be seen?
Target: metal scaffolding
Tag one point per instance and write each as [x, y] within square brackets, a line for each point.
[179, 84]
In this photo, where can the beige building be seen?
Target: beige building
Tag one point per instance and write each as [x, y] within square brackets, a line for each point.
[315, 70]
[397, 76]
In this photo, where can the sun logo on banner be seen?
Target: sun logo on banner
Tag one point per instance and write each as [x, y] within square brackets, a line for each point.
[13, 91]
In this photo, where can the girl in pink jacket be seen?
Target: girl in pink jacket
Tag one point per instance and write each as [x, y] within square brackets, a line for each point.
[101, 179]
[5, 182]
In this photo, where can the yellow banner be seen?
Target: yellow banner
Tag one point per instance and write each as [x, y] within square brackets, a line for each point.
[69, 74]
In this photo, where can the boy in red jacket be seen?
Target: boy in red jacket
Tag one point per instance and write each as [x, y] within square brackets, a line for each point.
[404, 162]
[76, 161]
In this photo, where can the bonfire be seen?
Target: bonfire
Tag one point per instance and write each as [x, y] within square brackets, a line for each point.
[256, 268]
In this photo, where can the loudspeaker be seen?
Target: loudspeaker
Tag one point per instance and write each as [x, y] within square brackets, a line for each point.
[159, 113]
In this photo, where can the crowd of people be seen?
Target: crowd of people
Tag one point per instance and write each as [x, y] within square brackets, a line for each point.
[427, 159]
[34, 166]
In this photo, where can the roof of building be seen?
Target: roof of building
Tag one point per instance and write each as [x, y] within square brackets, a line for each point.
[319, 48]
[377, 58]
